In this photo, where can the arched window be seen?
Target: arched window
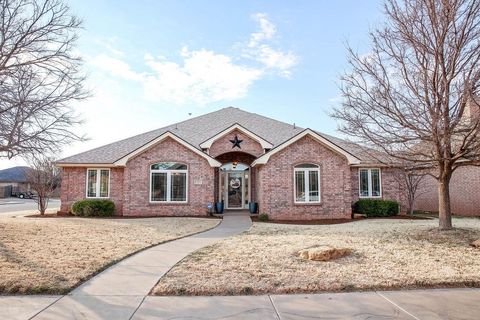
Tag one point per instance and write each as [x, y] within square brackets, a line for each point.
[307, 183]
[168, 182]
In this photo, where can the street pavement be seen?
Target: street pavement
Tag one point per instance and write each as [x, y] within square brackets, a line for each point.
[10, 206]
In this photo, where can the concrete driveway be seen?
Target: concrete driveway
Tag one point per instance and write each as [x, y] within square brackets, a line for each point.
[10, 206]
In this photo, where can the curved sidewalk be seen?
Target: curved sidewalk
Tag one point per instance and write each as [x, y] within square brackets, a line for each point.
[118, 291]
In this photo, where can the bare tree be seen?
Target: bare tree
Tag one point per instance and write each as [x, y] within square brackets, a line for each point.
[44, 178]
[412, 180]
[412, 95]
[40, 76]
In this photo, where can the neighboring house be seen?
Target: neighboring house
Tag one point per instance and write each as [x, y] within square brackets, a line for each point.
[232, 156]
[13, 178]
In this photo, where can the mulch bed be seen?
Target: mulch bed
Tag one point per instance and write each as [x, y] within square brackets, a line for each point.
[337, 221]
[70, 215]
[50, 215]
[309, 222]
[404, 217]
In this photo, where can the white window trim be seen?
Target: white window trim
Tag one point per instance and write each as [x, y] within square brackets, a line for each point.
[369, 177]
[97, 188]
[169, 185]
[307, 185]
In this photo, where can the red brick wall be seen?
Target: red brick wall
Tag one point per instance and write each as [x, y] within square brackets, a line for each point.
[223, 145]
[464, 193]
[137, 179]
[392, 186]
[74, 187]
[275, 190]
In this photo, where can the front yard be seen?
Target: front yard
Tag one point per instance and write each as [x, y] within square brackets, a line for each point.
[52, 255]
[387, 254]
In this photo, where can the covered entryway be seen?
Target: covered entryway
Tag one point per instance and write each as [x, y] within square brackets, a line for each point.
[234, 185]
[235, 180]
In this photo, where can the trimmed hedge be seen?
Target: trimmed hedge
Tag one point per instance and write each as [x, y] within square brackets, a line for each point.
[376, 208]
[93, 208]
[263, 217]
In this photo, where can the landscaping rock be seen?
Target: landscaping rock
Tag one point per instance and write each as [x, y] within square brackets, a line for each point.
[324, 253]
[476, 243]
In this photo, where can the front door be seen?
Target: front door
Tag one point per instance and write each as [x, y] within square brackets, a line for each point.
[235, 190]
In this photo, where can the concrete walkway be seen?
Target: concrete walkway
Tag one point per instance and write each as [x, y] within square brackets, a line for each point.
[119, 290]
[410, 304]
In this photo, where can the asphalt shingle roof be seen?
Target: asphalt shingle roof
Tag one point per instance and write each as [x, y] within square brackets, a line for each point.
[201, 128]
[14, 174]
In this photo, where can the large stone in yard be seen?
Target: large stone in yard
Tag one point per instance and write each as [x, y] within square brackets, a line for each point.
[475, 243]
[324, 253]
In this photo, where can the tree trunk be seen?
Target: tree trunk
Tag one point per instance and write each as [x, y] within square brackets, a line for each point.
[41, 205]
[444, 210]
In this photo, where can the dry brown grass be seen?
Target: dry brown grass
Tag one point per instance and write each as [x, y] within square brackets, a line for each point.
[386, 254]
[52, 255]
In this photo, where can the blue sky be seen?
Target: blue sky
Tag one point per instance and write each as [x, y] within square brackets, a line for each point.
[151, 63]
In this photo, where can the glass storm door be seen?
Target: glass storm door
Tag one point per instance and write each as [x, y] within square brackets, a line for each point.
[235, 190]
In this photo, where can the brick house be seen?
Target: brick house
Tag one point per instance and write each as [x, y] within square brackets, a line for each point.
[229, 156]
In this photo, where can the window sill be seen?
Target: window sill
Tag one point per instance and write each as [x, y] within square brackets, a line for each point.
[168, 203]
[308, 203]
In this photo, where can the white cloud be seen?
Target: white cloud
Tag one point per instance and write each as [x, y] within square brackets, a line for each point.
[204, 76]
[260, 48]
[115, 66]
[275, 59]
[267, 30]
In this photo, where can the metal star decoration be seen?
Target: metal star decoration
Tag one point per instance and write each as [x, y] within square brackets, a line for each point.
[236, 142]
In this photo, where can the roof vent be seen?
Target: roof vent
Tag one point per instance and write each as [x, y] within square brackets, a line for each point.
[294, 126]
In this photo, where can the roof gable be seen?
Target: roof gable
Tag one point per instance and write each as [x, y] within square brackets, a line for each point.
[123, 160]
[332, 146]
[264, 143]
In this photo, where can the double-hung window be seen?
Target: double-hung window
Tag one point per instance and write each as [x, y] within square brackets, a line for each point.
[168, 182]
[307, 183]
[370, 183]
[98, 183]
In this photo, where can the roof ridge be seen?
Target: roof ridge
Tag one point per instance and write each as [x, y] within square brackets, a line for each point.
[265, 117]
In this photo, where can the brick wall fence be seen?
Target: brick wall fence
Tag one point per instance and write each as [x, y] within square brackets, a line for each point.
[464, 192]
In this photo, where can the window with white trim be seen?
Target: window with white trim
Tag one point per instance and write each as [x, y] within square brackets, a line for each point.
[98, 183]
[168, 182]
[307, 183]
[370, 183]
